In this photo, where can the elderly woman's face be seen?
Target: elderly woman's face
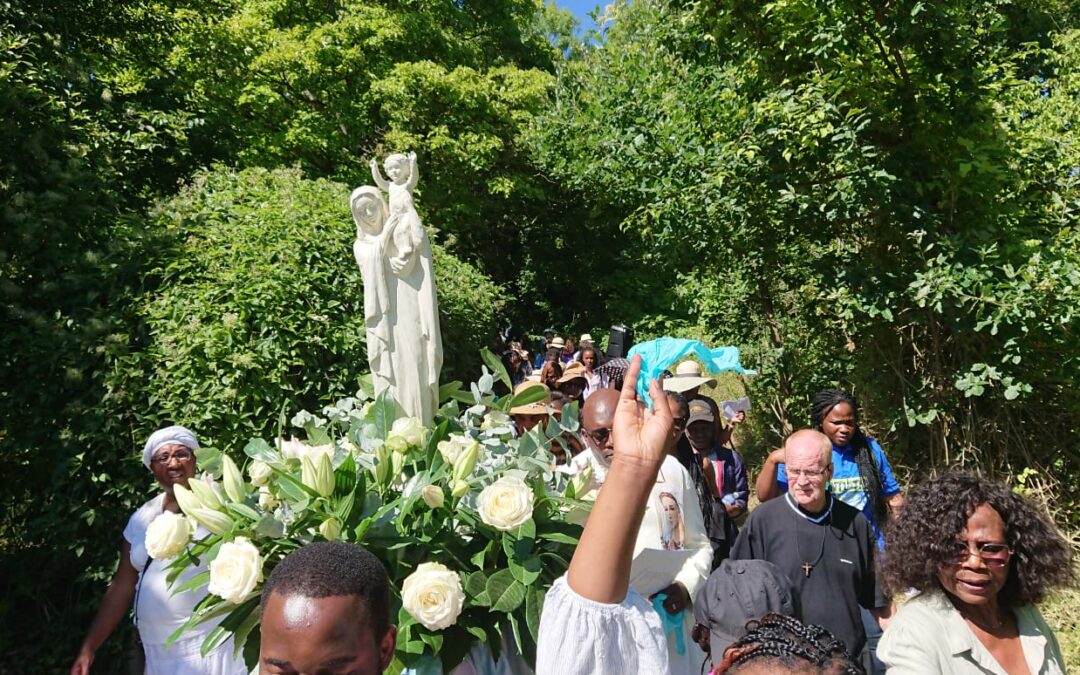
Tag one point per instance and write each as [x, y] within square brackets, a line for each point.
[979, 578]
[173, 464]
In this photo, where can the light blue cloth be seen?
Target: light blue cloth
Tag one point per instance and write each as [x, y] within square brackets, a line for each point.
[658, 354]
[673, 623]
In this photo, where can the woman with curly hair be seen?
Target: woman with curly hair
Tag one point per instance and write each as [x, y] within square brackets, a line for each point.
[980, 558]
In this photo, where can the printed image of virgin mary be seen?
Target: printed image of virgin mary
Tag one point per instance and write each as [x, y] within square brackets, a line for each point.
[673, 533]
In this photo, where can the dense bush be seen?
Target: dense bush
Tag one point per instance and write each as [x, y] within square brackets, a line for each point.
[259, 305]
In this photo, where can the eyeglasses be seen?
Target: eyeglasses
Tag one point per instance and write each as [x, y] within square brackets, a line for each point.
[599, 436]
[179, 455]
[812, 474]
[994, 555]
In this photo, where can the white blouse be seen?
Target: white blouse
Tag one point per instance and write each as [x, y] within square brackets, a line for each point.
[579, 636]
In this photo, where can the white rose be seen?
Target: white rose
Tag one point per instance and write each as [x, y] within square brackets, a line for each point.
[495, 419]
[407, 432]
[433, 596]
[167, 536]
[506, 503]
[294, 449]
[236, 570]
[411, 429]
[267, 500]
[260, 473]
[452, 447]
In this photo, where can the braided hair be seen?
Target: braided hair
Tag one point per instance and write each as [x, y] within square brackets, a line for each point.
[823, 403]
[785, 642]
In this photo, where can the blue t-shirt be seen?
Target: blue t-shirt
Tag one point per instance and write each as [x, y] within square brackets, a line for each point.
[847, 484]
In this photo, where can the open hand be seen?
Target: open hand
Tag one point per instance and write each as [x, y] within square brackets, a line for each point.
[641, 435]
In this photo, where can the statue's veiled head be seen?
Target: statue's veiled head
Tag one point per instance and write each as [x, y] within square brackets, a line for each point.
[368, 209]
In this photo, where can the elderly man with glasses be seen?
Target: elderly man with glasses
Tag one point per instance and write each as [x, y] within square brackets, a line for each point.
[824, 546]
[672, 554]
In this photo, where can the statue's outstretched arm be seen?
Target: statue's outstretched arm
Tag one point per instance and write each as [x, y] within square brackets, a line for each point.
[414, 172]
[377, 176]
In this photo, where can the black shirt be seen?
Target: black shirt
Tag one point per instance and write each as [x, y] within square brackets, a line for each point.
[839, 582]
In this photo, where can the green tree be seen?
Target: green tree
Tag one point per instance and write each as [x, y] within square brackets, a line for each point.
[882, 197]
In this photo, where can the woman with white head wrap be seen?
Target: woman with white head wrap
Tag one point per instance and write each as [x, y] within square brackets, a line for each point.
[169, 453]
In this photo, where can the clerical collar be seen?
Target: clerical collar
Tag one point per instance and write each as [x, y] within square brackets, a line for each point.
[805, 514]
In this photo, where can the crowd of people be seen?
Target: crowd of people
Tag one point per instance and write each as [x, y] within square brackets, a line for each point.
[671, 574]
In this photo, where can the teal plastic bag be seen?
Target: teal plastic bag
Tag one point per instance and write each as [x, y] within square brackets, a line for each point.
[657, 355]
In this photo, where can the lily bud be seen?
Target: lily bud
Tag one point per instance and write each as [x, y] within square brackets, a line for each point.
[207, 496]
[382, 467]
[318, 476]
[215, 521]
[466, 461]
[186, 499]
[432, 496]
[460, 488]
[581, 481]
[330, 529]
[324, 476]
[231, 479]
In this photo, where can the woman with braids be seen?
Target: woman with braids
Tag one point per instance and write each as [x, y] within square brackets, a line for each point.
[781, 644]
[980, 558]
[862, 475]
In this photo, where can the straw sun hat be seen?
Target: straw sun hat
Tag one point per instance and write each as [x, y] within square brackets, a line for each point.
[687, 376]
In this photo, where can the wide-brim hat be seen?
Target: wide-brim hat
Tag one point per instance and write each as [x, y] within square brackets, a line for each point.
[737, 592]
[585, 337]
[687, 376]
[536, 407]
[573, 371]
[557, 343]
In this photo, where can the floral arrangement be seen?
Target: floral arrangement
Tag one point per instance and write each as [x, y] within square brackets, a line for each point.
[472, 523]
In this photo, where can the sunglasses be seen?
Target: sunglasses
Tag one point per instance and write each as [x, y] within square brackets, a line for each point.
[599, 436]
[994, 555]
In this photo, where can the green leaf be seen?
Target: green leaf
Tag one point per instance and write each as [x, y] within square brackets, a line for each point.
[494, 364]
[527, 571]
[534, 607]
[259, 449]
[384, 410]
[197, 581]
[244, 511]
[505, 591]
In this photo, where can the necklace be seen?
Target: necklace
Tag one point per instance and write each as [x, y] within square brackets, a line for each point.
[823, 520]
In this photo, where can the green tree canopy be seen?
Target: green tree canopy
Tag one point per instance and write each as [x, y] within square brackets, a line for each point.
[882, 197]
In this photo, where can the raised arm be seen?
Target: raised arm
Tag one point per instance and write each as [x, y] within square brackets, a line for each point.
[114, 607]
[766, 486]
[414, 172]
[600, 568]
[377, 176]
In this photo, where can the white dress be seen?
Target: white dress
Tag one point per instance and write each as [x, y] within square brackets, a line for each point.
[158, 613]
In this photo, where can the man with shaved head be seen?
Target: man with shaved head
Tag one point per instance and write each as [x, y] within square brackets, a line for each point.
[672, 526]
[326, 609]
[824, 546]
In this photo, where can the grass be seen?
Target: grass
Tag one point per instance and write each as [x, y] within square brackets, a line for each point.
[1062, 612]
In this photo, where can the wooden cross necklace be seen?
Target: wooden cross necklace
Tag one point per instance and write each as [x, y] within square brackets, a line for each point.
[823, 521]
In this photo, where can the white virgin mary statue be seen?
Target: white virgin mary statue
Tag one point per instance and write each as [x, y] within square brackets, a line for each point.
[401, 311]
